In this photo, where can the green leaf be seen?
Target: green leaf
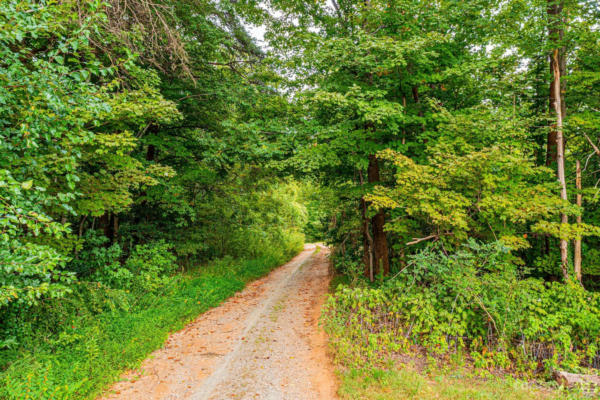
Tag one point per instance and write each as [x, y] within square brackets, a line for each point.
[27, 184]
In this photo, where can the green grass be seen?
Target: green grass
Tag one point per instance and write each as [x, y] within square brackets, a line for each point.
[407, 383]
[80, 364]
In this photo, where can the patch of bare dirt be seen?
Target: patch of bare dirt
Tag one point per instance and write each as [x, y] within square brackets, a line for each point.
[263, 343]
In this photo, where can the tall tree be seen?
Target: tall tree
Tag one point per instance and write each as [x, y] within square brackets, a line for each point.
[556, 35]
[362, 62]
[560, 159]
[577, 243]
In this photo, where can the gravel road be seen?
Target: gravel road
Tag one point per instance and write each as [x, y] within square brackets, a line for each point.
[263, 343]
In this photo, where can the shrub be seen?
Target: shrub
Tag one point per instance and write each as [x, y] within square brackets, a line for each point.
[474, 300]
[95, 256]
[31, 272]
[150, 265]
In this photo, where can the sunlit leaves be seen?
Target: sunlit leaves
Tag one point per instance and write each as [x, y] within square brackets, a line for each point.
[66, 137]
[468, 188]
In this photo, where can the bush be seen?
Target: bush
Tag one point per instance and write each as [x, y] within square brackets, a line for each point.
[151, 265]
[30, 272]
[95, 256]
[474, 301]
[146, 270]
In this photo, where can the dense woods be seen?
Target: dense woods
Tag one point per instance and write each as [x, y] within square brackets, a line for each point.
[136, 138]
[153, 153]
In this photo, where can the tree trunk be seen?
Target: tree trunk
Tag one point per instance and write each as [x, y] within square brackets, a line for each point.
[367, 243]
[151, 152]
[404, 111]
[105, 220]
[110, 225]
[115, 231]
[560, 161]
[380, 246]
[367, 238]
[415, 93]
[577, 244]
[555, 34]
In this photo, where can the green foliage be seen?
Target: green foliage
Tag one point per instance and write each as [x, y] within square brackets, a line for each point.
[471, 301]
[135, 143]
[452, 99]
[65, 143]
[46, 102]
[469, 189]
[138, 142]
[90, 338]
[96, 254]
[149, 266]
[30, 272]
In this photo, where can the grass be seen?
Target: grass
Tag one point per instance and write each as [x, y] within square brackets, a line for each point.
[84, 361]
[407, 383]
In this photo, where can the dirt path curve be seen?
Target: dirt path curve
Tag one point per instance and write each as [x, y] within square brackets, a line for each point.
[263, 343]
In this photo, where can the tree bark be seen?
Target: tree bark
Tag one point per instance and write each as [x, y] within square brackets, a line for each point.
[380, 246]
[151, 152]
[110, 225]
[367, 238]
[367, 243]
[577, 244]
[415, 93]
[560, 161]
[596, 149]
[556, 35]
[404, 111]
[115, 230]
[105, 220]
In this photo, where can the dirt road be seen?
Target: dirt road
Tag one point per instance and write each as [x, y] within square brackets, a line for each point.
[263, 343]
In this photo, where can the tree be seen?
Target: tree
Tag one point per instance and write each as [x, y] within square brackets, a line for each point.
[560, 159]
[363, 60]
[556, 36]
[577, 243]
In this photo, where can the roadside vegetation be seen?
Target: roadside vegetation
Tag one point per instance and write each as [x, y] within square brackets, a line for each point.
[406, 383]
[104, 331]
[155, 156]
[448, 328]
[135, 190]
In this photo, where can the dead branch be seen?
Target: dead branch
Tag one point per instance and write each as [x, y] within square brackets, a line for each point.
[419, 240]
[596, 149]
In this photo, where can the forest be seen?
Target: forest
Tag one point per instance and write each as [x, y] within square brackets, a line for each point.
[156, 156]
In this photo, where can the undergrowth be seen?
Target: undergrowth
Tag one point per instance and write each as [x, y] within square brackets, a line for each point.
[475, 303]
[474, 308]
[91, 350]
